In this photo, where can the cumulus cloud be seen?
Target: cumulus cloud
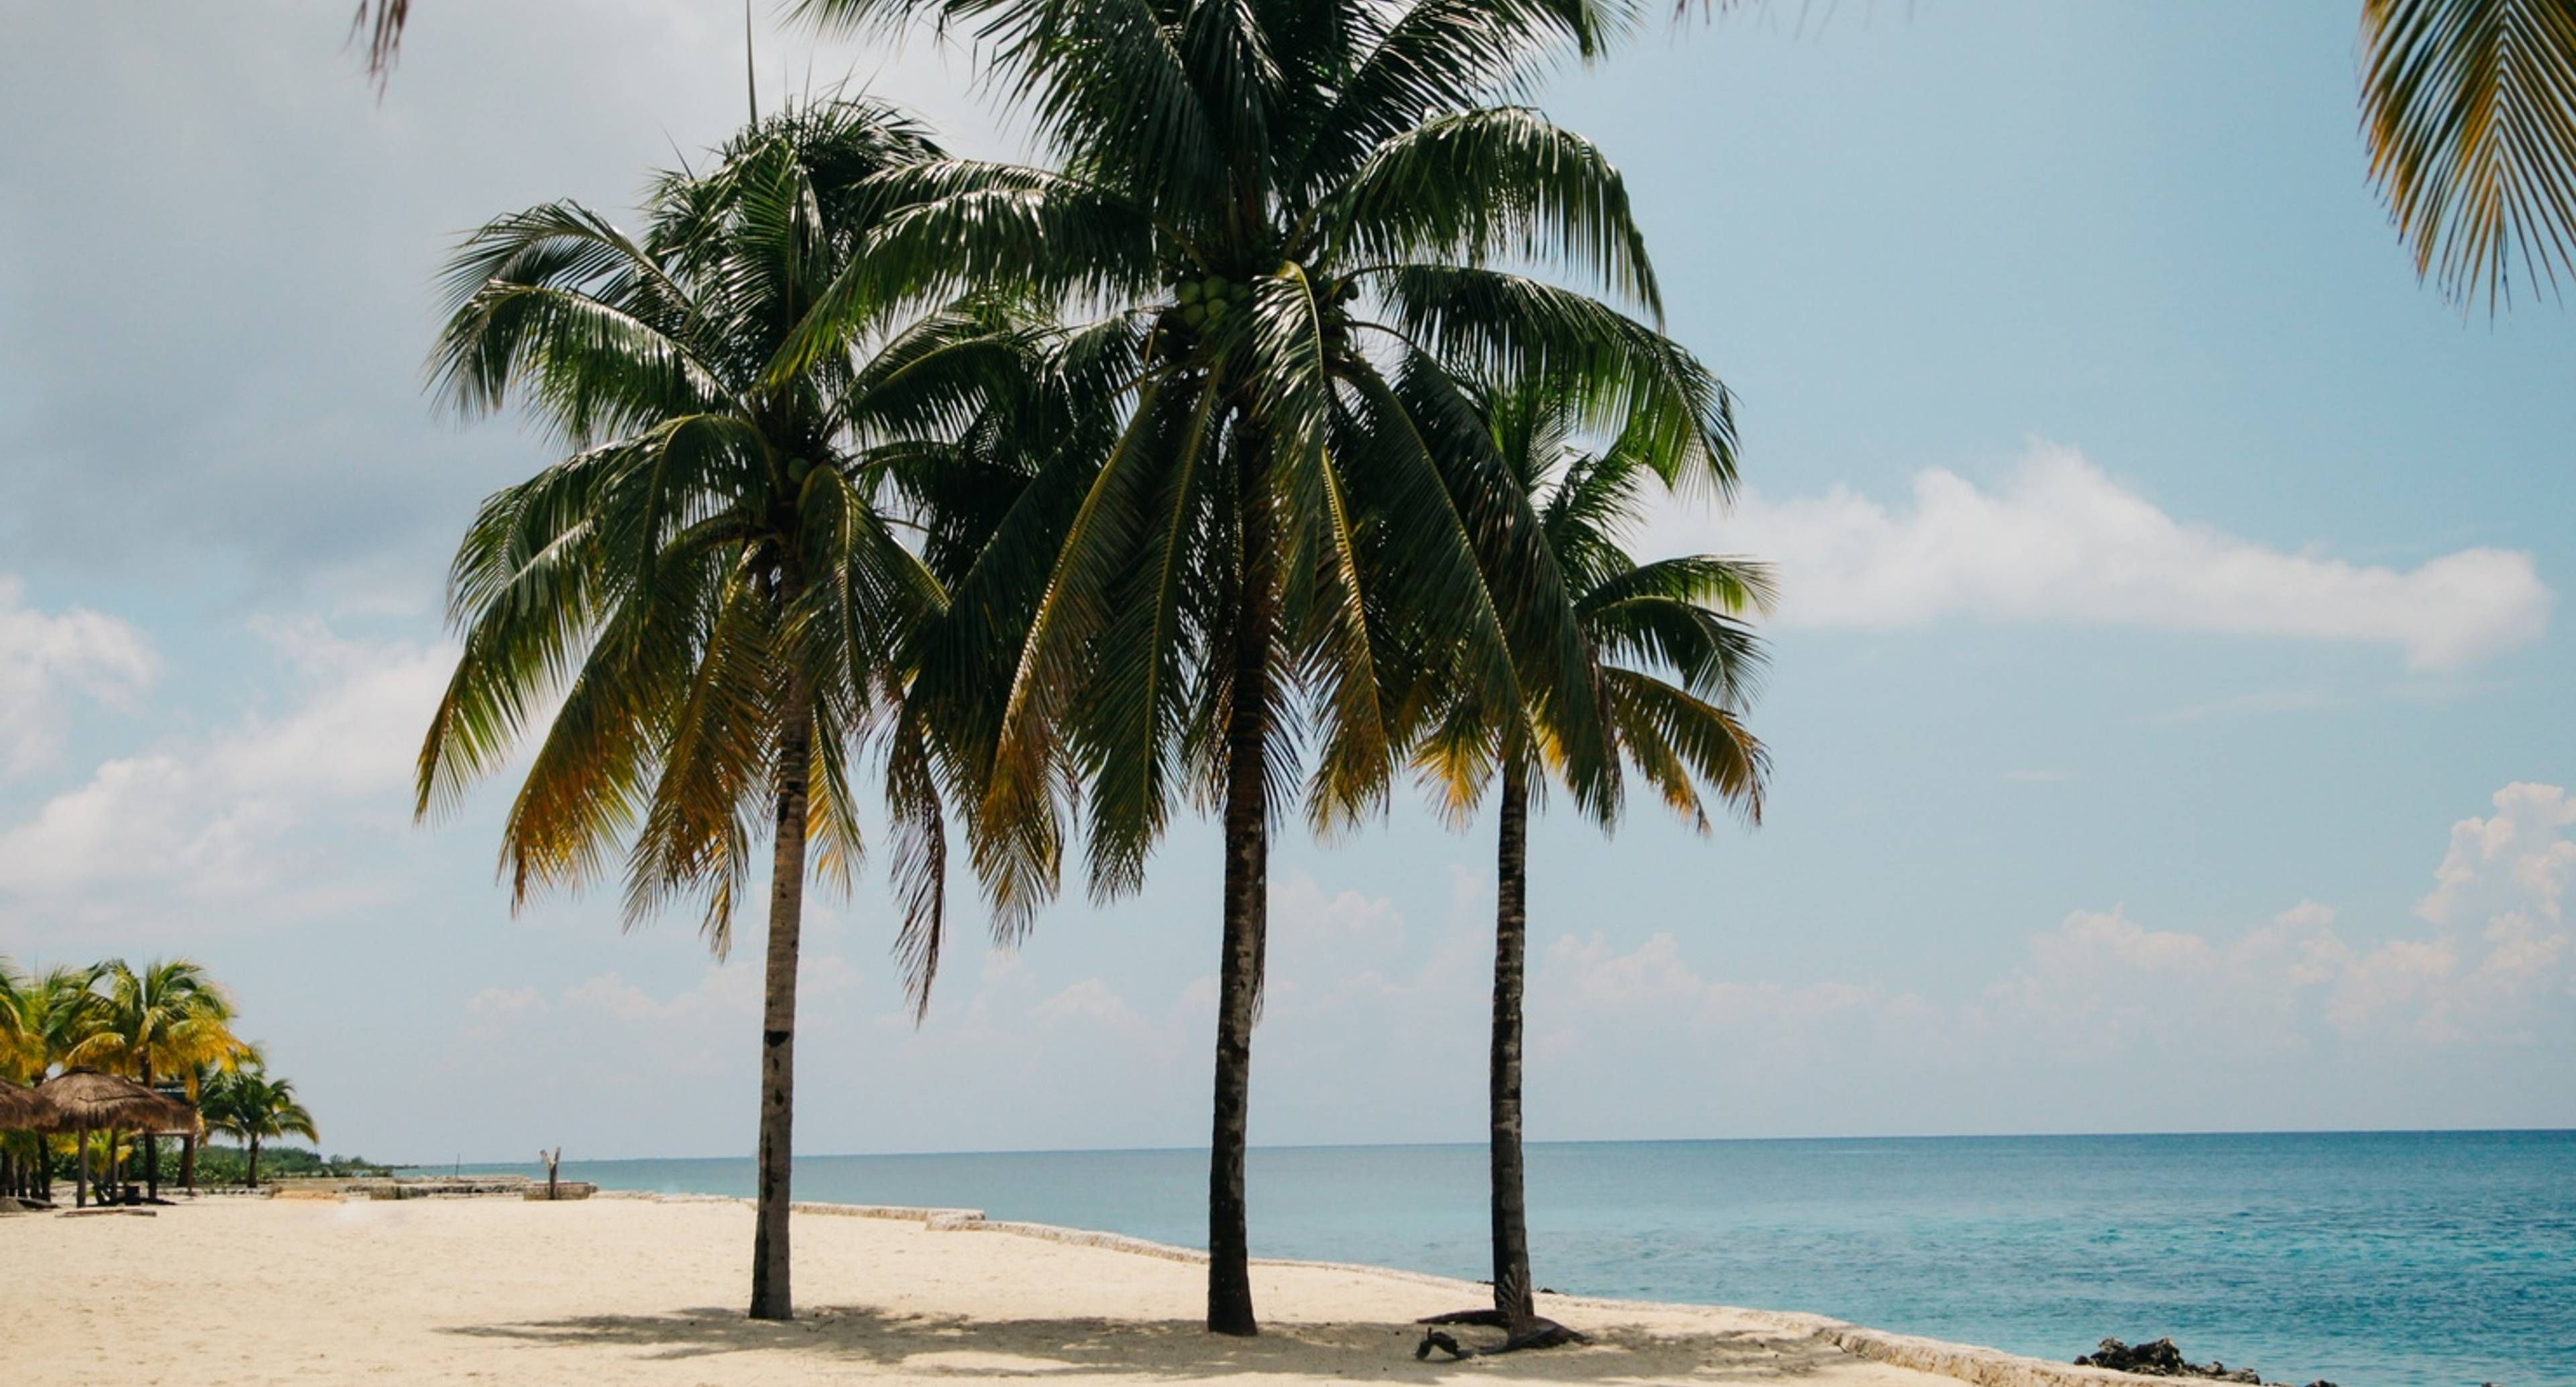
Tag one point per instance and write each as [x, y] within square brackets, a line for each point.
[2061, 541]
[211, 817]
[47, 658]
[2520, 853]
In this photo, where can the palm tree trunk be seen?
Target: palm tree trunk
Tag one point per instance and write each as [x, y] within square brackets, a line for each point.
[188, 1163]
[1247, 899]
[770, 1297]
[151, 1148]
[1511, 951]
[253, 1176]
[80, 1168]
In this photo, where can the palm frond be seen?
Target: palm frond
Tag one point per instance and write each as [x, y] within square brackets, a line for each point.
[2470, 109]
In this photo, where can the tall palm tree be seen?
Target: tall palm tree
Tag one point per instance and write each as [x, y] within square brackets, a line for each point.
[158, 1021]
[706, 579]
[1675, 662]
[1286, 216]
[246, 1104]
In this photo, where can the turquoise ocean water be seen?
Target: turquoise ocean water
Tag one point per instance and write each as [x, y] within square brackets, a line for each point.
[2371, 1259]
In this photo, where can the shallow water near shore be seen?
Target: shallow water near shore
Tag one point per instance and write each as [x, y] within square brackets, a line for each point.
[2440, 1259]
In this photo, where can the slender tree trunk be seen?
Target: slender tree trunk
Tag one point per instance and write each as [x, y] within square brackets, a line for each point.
[151, 1148]
[188, 1164]
[1247, 900]
[1511, 950]
[770, 1297]
[253, 1175]
[80, 1168]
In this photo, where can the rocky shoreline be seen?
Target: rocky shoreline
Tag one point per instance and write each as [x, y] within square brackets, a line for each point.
[2162, 1359]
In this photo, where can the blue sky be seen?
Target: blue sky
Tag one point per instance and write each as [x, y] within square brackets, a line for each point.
[2169, 699]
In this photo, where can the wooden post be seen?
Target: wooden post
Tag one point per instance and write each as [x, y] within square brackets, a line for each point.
[80, 1168]
[552, 1159]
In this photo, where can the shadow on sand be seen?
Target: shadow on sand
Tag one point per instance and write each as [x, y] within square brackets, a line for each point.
[942, 1346]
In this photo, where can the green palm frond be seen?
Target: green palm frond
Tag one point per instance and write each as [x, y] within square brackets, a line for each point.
[1491, 325]
[717, 585]
[1494, 183]
[2470, 109]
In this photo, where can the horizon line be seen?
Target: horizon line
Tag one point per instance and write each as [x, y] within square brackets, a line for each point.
[1578, 1141]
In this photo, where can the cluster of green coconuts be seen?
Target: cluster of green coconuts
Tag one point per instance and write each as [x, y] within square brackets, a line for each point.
[1204, 303]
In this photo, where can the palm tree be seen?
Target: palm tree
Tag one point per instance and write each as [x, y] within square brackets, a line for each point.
[158, 1021]
[195, 1080]
[706, 579]
[50, 1015]
[246, 1104]
[17, 1046]
[1286, 215]
[1675, 663]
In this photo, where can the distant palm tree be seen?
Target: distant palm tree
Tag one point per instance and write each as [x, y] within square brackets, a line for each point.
[158, 1021]
[707, 578]
[1292, 212]
[19, 1051]
[1675, 664]
[248, 1105]
[19, 1054]
[52, 1014]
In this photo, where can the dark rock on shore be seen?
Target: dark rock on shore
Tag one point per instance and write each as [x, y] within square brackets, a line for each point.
[2162, 1359]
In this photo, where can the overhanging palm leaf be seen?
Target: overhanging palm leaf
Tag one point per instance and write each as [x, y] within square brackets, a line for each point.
[2470, 106]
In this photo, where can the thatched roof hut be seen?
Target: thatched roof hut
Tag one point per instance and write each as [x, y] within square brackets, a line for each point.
[21, 1110]
[88, 1101]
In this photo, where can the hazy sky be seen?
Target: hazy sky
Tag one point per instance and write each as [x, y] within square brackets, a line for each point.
[2171, 701]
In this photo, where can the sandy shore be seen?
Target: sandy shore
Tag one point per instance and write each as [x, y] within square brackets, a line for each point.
[231, 1291]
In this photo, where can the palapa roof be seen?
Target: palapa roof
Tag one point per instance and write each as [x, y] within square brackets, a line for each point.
[87, 1099]
[22, 1111]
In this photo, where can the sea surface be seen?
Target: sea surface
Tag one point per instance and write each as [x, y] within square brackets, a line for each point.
[2369, 1259]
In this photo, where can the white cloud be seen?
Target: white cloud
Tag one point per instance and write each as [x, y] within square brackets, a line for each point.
[211, 817]
[2520, 852]
[2062, 541]
[2101, 988]
[46, 658]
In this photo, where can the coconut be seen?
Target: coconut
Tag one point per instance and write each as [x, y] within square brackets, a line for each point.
[1195, 314]
[1189, 293]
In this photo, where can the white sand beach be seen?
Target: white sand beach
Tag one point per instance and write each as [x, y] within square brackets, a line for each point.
[245, 1291]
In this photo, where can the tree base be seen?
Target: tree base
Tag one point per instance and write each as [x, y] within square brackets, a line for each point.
[1537, 1333]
